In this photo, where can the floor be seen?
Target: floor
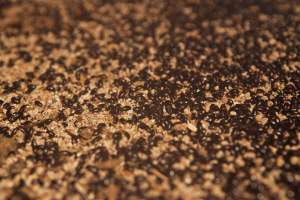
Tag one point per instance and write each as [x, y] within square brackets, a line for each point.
[150, 99]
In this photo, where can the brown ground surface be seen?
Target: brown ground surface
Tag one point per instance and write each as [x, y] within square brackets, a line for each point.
[153, 99]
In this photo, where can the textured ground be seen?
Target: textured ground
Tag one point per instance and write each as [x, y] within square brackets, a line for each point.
[148, 99]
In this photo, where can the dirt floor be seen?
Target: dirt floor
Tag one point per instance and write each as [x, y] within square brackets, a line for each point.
[150, 99]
